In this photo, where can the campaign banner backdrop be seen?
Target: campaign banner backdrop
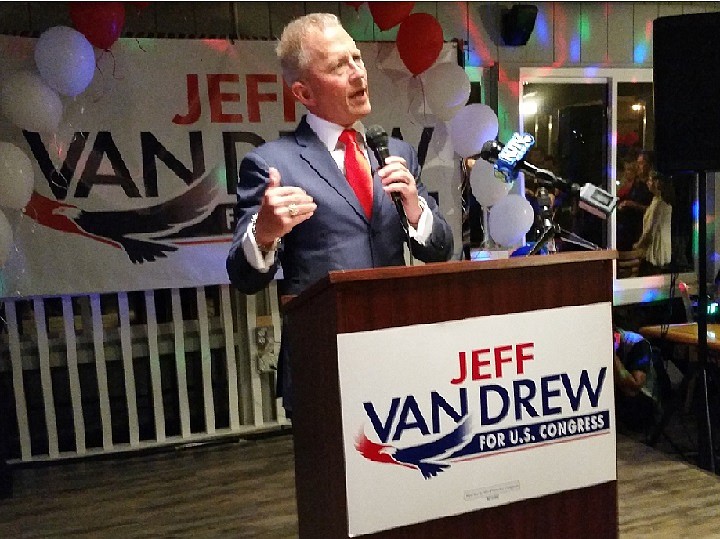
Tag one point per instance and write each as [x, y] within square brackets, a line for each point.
[135, 188]
[447, 418]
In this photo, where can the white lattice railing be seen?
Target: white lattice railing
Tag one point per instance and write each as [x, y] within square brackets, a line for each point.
[106, 373]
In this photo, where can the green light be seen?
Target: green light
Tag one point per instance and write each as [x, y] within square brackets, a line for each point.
[584, 28]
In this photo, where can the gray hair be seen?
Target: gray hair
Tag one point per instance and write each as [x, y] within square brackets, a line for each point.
[290, 51]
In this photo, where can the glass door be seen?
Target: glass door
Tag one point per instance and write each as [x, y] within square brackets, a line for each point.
[597, 126]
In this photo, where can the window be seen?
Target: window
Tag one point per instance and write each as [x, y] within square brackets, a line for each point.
[597, 126]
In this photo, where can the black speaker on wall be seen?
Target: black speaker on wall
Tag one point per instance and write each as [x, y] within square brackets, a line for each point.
[686, 79]
[518, 23]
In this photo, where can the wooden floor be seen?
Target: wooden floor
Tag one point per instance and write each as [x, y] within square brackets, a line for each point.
[246, 489]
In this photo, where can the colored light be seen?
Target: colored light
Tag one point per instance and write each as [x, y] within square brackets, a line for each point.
[640, 53]
[575, 49]
[542, 29]
[584, 28]
[650, 295]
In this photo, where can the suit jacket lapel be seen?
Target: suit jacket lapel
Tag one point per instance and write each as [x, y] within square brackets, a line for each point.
[314, 152]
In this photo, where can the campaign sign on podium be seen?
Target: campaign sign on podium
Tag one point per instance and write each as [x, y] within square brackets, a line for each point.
[457, 416]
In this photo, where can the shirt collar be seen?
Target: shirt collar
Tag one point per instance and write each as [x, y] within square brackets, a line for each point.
[329, 133]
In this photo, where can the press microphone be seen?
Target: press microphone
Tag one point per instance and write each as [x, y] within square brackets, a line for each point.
[377, 140]
[508, 159]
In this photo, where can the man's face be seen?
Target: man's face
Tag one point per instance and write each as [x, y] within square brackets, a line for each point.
[334, 84]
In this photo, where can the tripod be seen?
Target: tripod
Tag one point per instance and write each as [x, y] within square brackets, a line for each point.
[551, 230]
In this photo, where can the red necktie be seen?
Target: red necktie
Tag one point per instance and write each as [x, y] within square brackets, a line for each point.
[357, 170]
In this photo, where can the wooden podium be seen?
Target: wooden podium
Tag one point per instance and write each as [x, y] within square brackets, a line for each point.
[363, 300]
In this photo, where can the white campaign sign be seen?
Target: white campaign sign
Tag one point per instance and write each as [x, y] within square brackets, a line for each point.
[453, 417]
[135, 189]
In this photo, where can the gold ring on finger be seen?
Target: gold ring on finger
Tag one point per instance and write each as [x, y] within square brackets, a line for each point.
[292, 210]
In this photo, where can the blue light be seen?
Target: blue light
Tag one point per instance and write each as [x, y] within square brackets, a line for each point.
[541, 29]
[640, 53]
[480, 255]
[575, 49]
[473, 58]
[650, 295]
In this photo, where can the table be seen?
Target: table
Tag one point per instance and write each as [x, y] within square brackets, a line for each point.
[684, 334]
[688, 334]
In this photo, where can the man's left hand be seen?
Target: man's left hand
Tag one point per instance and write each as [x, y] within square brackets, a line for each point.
[396, 178]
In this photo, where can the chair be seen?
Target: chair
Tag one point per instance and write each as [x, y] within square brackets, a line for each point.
[628, 263]
[681, 399]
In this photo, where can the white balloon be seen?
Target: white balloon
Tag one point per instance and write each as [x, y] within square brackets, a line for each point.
[447, 89]
[510, 219]
[29, 103]
[487, 188]
[65, 60]
[6, 239]
[418, 109]
[16, 177]
[471, 127]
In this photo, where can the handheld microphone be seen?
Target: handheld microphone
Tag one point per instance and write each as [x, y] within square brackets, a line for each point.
[593, 199]
[377, 140]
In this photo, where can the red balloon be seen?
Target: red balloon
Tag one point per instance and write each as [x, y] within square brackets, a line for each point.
[389, 14]
[100, 22]
[419, 42]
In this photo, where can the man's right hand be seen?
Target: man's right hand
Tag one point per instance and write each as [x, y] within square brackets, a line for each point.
[282, 208]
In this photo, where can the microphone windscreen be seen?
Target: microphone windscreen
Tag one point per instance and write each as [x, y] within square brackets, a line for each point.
[376, 137]
[490, 150]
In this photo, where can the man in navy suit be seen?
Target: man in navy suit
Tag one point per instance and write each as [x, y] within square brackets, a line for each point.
[295, 205]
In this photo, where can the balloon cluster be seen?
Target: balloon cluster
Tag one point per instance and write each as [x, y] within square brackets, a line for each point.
[509, 216]
[31, 98]
[419, 38]
[65, 62]
[446, 90]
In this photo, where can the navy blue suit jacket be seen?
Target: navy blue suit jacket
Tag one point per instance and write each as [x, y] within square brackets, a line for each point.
[338, 236]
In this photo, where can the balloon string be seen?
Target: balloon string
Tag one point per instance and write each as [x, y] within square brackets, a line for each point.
[137, 40]
[114, 66]
[54, 182]
[424, 112]
[114, 62]
[422, 93]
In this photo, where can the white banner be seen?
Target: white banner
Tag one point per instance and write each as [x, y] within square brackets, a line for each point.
[448, 418]
[135, 190]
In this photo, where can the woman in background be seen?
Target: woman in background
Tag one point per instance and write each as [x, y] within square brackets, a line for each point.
[656, 238]
[634, 198]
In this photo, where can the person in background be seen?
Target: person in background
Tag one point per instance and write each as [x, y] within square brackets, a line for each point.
[656, 239]
[295, 205]
[637, 400]
[634, 197]
[473, 232]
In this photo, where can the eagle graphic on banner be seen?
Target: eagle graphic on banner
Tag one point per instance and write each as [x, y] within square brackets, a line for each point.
[428, 457]
[139, 231]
